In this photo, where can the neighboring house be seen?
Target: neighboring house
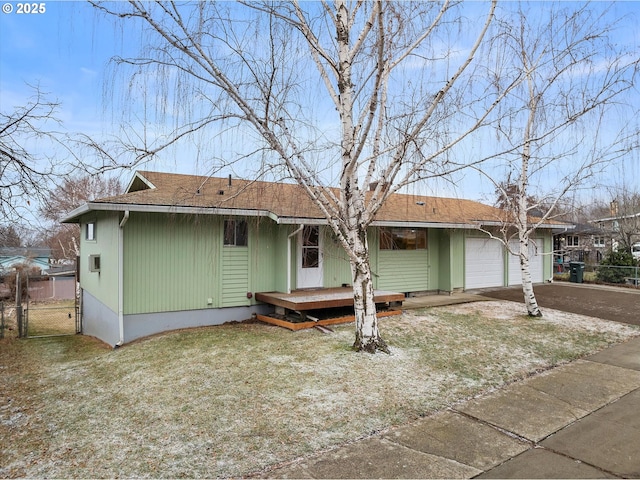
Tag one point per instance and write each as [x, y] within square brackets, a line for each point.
[624, 229]
[37, 258]
[180, 251]
[583, 243]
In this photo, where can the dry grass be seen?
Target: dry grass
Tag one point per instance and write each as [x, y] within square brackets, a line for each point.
[231, 400]
[52, 318]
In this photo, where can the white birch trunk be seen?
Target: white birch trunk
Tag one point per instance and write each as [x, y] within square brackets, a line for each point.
[522, 211]
[368, 337]
[352, 198]
[527, 283]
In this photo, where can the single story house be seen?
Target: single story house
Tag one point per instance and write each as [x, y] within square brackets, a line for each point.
[179, 251]
[36, 258]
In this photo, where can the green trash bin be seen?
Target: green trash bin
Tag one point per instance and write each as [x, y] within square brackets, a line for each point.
[576, 272]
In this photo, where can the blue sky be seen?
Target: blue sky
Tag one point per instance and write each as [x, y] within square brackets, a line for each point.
[66, 51]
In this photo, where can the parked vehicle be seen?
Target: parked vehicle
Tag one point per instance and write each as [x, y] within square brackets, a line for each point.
[635, 251]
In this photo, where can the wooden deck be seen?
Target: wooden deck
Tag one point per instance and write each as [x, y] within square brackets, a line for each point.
[309, 305]
[303, 300]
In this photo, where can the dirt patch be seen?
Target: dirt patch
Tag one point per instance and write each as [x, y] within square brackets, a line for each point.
[606, 303]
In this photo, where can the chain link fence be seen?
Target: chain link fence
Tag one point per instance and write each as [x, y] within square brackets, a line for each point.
[37, 306]
[50, 318]
[616, 275]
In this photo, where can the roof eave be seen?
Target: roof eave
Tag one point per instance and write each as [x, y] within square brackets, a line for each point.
[75, 215]
[409, 224]
[493, 223]
[620, 217]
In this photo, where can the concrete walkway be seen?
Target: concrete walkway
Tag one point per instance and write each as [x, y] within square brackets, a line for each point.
[579, 420]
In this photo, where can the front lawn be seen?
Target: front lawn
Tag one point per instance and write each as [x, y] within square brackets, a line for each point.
[230, 400]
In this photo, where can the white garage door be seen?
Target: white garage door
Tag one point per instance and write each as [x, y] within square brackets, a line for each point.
[535, 262]
[484, 263]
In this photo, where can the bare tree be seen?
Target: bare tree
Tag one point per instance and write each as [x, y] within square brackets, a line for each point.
[64, 239]
[9, 237]
[393, 101]
[25, 174]
[556, 131]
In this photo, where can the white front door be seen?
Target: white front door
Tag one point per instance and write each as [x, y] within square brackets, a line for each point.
[310, 257]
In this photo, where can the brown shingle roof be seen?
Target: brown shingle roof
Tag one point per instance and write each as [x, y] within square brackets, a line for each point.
[288, 200]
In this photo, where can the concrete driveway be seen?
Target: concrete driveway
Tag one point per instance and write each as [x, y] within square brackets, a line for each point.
[617, 304]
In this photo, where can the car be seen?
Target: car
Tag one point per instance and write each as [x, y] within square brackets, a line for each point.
[635, 251]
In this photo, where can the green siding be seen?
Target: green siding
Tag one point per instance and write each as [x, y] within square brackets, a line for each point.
[403, 270]
[548, 257]
[264, 267]
[436, 244]
[178, 262]
[235, 276]
[457, 259]
[335, 262]
[102, 285]
[374, 251]
[442, 259]
[280, 263]
[170, 263]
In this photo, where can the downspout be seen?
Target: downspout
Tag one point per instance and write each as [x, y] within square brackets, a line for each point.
[294, 233]
[123, 222]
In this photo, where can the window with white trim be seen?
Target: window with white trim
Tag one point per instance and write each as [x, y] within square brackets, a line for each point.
[573, 241]
[599, 242]
[236, 233]
[90, 231]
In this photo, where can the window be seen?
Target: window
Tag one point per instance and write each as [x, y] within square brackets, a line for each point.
[311, 247]
[573, 241]
[90, 231]
[94, 263]
[598, 241]
[236, 233]
[403, 238]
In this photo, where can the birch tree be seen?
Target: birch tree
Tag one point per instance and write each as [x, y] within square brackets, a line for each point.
[376, 90]
[559, 128]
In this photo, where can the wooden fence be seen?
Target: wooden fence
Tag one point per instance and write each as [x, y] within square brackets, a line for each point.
[48, 288]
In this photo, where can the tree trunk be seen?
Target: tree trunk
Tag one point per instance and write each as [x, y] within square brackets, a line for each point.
[522, 211]
[368, 337]
[527, 284]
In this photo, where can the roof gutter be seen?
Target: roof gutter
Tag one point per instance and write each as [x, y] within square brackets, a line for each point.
[74, 215]
[123, 222]
[480, 223]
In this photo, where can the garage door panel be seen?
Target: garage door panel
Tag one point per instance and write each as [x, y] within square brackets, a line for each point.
[536, 262]
[484, 263]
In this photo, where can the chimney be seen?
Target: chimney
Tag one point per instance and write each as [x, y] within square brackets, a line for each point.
[229, 180]
[614, 208]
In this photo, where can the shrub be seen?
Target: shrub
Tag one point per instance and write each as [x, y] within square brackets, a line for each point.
[607, 271]
[10, 281]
